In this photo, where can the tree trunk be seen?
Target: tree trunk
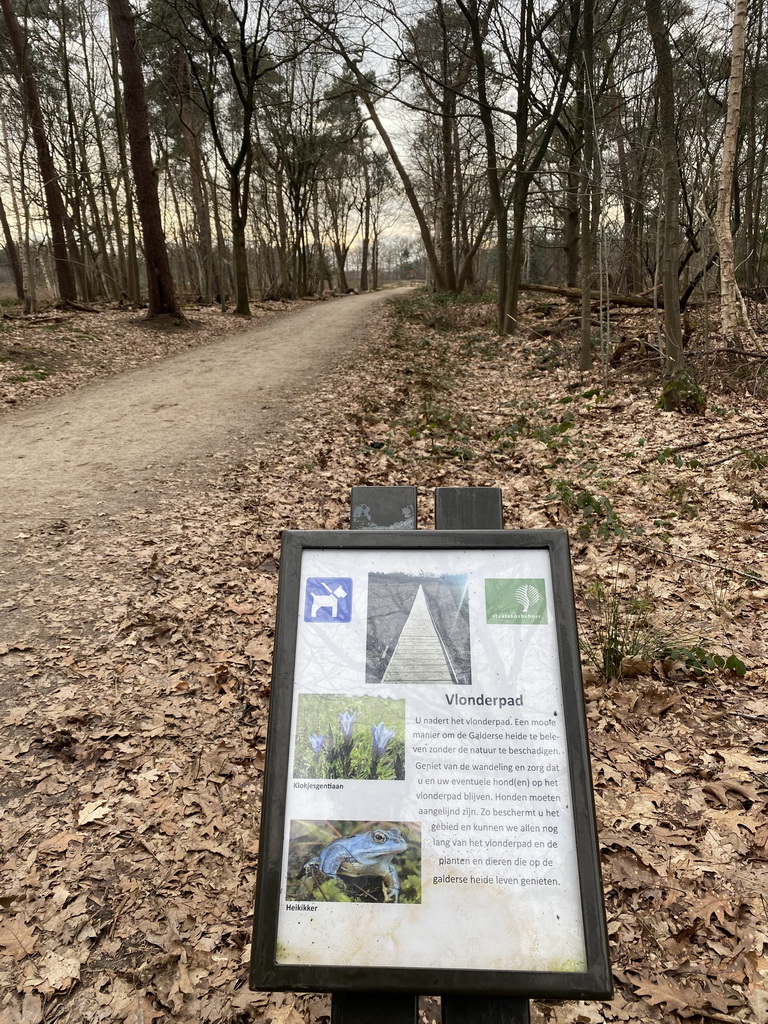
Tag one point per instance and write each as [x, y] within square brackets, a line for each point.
[53, 197]
[132, 285]
[427, 237]
[447, 198]
[318, 264]
[666, 107]
[13, 254]
[465, 271]
[239, 194]
[239, 198]
[470, 11]
[18, 195]
[366, 218]
[14, 193]
[223, 282]
[78, 189]
[197, 181]
[628, 260]
[615, 298]
[187, 256]
[586, 107]
[162, 299]
[531, 151]
[111, 277]
[729, 292]
[756, 145]
[375, 260]
[571, 213]
[286, 283]
[341, 266]
[519, 206]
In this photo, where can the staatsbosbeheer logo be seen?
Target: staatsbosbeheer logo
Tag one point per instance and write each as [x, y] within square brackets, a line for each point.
[515, 602]
[328, 599]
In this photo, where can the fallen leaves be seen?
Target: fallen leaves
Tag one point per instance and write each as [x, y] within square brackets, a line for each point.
[55, 973]
[137, 659]
[666, 994]
[93, 811]
[17, 937]
[722, 787]
[59, 843]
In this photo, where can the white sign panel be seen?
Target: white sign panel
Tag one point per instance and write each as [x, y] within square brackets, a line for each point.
[429, 792]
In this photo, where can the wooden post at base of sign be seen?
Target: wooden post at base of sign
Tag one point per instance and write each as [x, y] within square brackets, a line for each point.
[476, 508]
[485, 1010]
[378, 508]
[468, 508]
[456, 508]
[374, 1008]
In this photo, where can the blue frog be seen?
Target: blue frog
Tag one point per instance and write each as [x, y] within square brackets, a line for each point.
[366, 853]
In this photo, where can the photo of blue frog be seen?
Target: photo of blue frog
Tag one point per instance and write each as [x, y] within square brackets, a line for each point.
[354, 862]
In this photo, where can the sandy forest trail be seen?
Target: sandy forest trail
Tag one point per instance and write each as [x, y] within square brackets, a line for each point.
[120, 441]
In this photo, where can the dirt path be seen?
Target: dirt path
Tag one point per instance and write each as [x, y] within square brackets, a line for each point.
[115, 443]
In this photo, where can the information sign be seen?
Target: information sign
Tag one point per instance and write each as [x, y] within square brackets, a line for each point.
[428, 822]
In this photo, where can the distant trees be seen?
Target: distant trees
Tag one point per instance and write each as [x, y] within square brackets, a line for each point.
[436, 61]
[33, 110]
[226, 47]
[540, 58]
[232, 91]
[579, 142]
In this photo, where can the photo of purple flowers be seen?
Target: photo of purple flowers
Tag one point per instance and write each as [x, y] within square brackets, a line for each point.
[339, 737]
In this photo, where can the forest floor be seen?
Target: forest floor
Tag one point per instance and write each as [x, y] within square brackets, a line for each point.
[136, 636]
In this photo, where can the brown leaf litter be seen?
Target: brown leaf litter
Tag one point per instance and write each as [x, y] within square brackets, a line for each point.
[136, 661]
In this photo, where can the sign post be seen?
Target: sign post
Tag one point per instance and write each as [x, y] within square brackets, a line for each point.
[428, 820]
[475, 508]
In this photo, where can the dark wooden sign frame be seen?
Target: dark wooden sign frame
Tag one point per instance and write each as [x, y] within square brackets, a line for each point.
[266, 972]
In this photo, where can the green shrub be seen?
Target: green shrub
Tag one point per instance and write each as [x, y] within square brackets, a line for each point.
[597, 512]
[681, 393]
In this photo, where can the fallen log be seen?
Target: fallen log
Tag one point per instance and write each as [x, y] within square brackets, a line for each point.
[614, 298]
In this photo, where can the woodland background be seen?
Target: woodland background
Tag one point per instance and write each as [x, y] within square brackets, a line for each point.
[269, 149]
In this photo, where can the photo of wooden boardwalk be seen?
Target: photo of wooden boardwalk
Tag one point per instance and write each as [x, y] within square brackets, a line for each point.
[419, 656]
[418, 629]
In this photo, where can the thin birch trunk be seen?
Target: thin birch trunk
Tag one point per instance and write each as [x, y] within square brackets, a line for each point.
[732, 311]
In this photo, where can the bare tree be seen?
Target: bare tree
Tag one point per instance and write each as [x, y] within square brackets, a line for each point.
[535, 118]
[53, 197]
[477, 20]
[665, 106]
[732, 312]
[228, 48]
[587, 109]
[755, 142]
[162, 298]
[437, 58]
[12, 253]
[444, 60]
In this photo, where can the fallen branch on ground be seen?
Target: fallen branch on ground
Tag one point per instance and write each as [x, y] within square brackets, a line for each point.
[707, 440]
[614, 298]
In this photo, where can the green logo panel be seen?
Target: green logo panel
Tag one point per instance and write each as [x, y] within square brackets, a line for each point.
[515, 602]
